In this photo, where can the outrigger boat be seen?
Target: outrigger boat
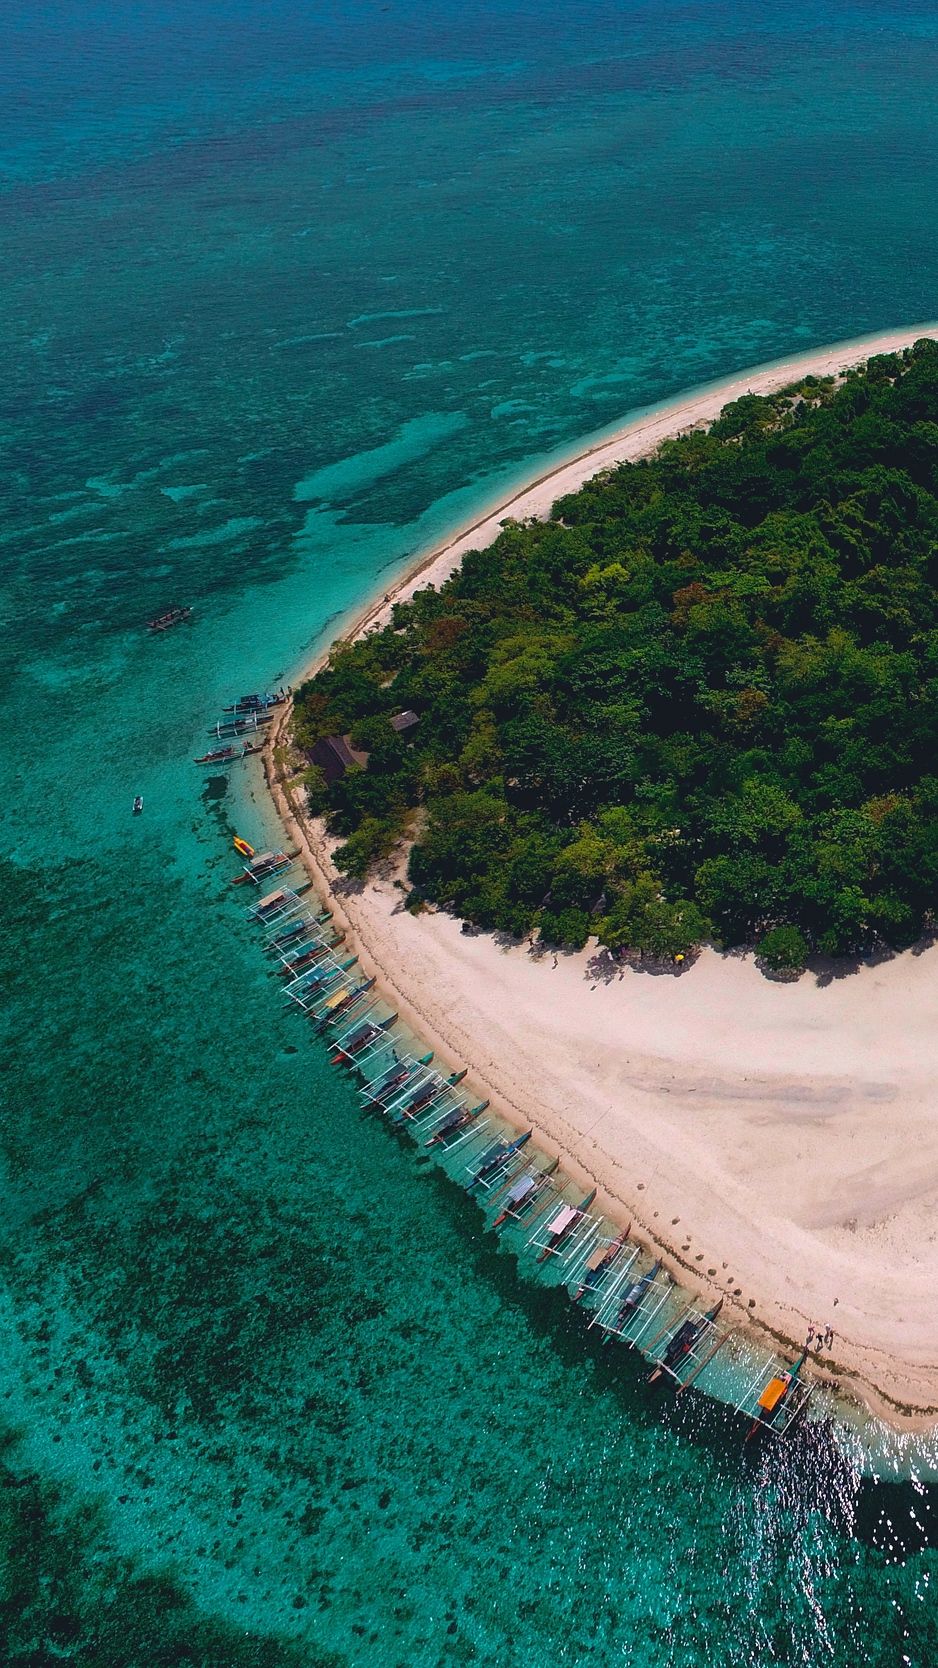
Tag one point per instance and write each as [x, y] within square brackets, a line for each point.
[419, 1099]
[339, 1003]
[319, 939]
[170, 617]
[394, 1066]
[239, 726]
[268, 906]
[523, 1192]
[598, 1264]
[253, 703]
[498, 1155]
[292, 930]
[261, 867]
[683, 1341]
[396, 1074]
[324, 975]
[777, 1392]
[423, 1096]
[226, 755]
[563, 1225]
[368, 1031]
[633, 1299]
[457, 1119]
[288, 935]
[307, 957]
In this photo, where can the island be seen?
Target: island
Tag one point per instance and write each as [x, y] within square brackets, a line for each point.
[592, 794]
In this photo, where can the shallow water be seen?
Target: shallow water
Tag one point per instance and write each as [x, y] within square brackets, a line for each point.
[286, 293]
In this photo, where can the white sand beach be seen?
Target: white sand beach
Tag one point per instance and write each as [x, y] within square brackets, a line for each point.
[778, 1141]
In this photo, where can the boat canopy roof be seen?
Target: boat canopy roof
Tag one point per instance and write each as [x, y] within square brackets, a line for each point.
[562, 1220]
[272, 898]
[773, 1392]
[520, 1190]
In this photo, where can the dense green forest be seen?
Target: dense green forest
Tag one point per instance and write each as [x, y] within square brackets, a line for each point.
[701, 702]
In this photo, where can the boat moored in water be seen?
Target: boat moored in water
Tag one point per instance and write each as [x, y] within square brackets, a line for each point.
[456, 1120]
[138, 804]
[395, 1077]
[776, 1398]
[271, 904]
[306, 956]
[256, 703]
[370, 1030]
[247, 725]
[419, 1099]
[522, 1193]
[683, 1341]
[497, 1156]
[339, 1003]
[259, 867]
[599, 1263]
[169, 617]
[563, 1224]
[633, 1299]
[226, 755]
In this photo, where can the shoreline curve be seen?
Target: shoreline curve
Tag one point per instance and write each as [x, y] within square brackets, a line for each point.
[415, 958]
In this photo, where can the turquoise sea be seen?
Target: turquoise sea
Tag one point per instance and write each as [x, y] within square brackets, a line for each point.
[287, 291]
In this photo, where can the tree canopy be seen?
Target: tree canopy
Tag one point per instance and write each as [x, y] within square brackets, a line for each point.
[701, 701]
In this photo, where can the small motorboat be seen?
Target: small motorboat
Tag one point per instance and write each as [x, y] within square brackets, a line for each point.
[138, 804]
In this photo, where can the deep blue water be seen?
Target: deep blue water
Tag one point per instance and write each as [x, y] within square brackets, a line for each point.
[285, 292]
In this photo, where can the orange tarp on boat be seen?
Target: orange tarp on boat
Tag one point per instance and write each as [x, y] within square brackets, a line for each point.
[773, 1393]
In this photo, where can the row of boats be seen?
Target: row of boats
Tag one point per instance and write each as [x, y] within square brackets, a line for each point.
[525, 1198]
[239, 731]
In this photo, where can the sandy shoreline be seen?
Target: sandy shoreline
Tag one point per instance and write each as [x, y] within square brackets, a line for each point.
[775, 1139]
